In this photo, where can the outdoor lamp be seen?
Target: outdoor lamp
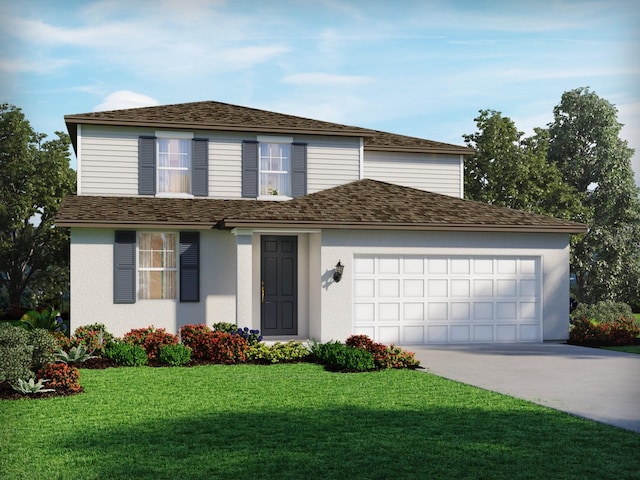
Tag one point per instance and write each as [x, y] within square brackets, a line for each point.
[337, 276]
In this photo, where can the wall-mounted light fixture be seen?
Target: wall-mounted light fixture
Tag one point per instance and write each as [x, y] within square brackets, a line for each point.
[337, 276]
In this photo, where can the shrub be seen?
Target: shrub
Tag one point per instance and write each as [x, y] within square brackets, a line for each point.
[16, 353]
[174, 355]
[227, 348]
[126, 354]
[44, 347]
[338, 357]
[384, 356]
[605, 311]
[150, 339]
[198, 338]
[62, 377]
[225, 327]
[291, 351]
[585, 331]
[48, 319]
[252, 337]
[95, 337]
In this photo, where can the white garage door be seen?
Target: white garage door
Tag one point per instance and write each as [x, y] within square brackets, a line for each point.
[435, 299]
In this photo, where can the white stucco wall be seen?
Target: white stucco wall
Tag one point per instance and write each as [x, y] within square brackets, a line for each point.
[92, 286]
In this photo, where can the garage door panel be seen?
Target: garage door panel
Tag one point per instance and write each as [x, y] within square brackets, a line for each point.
[437, 299]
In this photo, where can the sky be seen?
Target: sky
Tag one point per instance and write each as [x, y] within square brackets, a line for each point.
[419, 68]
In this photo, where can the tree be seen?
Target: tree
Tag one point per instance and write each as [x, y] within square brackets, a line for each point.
[35, 178]
[512, 171]
[585, 145]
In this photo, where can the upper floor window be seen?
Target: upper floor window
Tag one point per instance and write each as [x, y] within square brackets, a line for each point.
[275, 169]
[174, 165]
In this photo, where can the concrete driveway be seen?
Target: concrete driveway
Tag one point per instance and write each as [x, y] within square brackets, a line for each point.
[601, 385]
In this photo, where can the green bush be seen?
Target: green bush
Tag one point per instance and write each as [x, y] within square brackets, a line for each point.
[44, 347]
[623, 331]
[291, 351]
[606, 311]
[94, 337]
[225, 327]
[174, 355]
[151, 339]
[338, 357]
[16, 354]
[384, 356]
[126, 354]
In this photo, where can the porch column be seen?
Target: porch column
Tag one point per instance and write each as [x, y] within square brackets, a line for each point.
[244, 276]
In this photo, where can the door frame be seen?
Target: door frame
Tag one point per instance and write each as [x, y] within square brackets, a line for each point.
[286, 303]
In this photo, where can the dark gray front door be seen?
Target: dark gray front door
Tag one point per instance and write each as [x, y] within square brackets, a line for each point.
[279, 285]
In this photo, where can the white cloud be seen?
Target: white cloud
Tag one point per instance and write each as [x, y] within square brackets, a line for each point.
[325, 79]
[125, 99]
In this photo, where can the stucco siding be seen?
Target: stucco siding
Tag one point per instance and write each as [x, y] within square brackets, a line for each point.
[92, 286]
[436, 173]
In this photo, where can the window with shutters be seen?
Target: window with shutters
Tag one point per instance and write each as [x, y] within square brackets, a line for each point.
[174, 165]
[157, 266]
[275, 169]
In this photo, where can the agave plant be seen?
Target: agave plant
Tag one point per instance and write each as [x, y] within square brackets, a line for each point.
[77, 354]
[31, 386]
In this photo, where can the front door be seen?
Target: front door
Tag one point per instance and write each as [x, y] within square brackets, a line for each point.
[279, 285]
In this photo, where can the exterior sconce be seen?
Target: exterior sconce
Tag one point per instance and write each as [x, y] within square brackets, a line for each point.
[337, 276]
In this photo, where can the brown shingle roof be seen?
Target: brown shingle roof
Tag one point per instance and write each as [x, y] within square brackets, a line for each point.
[364, 204]
[223, 116]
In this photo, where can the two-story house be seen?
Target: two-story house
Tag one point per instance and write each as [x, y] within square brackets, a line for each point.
[208, 212]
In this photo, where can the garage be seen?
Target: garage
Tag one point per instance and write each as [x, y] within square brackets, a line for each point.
[422, 299]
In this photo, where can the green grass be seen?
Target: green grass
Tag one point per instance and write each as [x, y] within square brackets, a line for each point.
[299, 422]
[626, 349]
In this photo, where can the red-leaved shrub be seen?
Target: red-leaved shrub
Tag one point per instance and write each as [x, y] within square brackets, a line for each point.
[384, 356]
[624, 331]
[150, 339]
[214, 346]
[62, 377]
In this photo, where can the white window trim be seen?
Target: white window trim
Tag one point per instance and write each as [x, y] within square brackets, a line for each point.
[174, 135]
[156, 269]
[273, 139]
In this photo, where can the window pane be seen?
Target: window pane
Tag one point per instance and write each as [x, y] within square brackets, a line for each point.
[157, 265]
[275, 178]
[174, 165]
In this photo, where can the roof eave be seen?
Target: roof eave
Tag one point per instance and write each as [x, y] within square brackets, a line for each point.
[567, 229]
[135, 224]
[76, 120]
[444, 150]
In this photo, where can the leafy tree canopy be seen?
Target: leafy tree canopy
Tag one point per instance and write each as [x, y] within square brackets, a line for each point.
[35, 178]
[586, 146]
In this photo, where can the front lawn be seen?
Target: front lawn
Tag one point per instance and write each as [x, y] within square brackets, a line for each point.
[299, 422]
[626, 349]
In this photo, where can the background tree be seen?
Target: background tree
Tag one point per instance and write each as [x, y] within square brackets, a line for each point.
[585, 145]
[512, 171]
[35, 178]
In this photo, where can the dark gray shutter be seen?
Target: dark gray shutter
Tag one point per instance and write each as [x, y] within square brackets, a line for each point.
[124, 267]
[189, 266]
[298, 169]
[249, 169]
[146, 165]
[200, 167]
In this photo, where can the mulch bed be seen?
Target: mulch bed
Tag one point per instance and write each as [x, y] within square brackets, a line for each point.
[8, 393]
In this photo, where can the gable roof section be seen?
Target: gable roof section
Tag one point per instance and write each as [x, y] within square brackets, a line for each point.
[223, 116]
[364, 204]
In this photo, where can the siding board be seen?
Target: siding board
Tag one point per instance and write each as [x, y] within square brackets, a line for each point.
[436, 173]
